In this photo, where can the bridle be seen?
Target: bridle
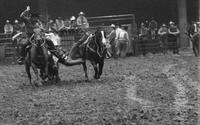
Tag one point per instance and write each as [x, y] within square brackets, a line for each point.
[31, 39]
[95, 42]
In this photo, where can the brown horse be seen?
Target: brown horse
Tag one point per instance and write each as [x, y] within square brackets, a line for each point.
[93, 50]
[37, 58]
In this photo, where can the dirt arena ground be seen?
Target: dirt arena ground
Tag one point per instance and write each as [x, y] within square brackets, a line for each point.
[153, 90]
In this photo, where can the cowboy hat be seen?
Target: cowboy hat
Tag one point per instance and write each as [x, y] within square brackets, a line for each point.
[73, 18]
[81, 13]
[7, 21]
[164, 25]
[16, 21]
[171, 22]
[112, 25]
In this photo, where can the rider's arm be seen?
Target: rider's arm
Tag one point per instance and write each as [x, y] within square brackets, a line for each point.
[24, 15]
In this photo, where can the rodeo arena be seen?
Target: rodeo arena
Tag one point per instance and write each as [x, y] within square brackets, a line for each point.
[99, 70]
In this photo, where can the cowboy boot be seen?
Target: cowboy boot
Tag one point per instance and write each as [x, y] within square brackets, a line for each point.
[69, 62]
[20, 60]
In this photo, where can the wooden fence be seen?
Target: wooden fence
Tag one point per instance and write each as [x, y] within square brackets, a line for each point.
[7, 48]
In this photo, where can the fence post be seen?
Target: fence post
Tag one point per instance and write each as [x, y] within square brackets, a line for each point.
[2, 52]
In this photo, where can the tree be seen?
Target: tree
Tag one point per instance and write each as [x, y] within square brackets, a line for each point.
[182, 17]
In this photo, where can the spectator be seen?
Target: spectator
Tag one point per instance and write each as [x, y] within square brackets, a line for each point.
[51, 25]
[173, 36]
[163, 37]
[73, 23]
[82, 21]
[143, 37]
[122, 38]
[8, 28]
[17, 27]
[59, 24]
[67, 23]
[143, 32]
[111, 38]
[153, 28]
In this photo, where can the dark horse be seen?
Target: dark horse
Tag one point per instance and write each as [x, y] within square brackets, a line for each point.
[93, 50]
[37, 58]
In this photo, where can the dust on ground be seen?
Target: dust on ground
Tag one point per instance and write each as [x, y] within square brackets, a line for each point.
[153, 90]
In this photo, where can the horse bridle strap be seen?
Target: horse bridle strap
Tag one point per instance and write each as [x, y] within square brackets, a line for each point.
[88, 46]
[31, 39]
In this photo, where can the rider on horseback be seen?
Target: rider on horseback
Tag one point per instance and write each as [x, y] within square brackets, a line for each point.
[33, 25]
[35, 30]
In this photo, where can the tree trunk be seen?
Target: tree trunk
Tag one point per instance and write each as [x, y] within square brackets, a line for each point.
[182, 17]
[199, 9]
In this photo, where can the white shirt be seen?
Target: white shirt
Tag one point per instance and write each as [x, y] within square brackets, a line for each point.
[122, 35]
[54, 38]
[118, 30]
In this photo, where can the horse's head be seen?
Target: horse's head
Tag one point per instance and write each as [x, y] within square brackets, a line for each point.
[37, 40]
[100, 36]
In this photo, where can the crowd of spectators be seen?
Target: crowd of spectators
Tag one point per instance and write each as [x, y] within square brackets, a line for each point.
[165, 33]
[57, 25]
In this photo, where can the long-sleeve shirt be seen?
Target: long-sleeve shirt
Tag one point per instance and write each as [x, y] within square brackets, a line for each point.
[82, 22]
[173, 30]
[26, 17]
[8, 28]
[122, 35]
[162, 31]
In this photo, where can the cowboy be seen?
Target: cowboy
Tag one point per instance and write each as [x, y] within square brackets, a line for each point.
[143, 32]
[16, 27]
[85, 37]
[122, 38]
[73, 23]
[34, 30]
[153, 27]
[67, 23]
[173, 33]
[163, 31]
[111, 38]
[8, 28]
[82, 21]
[195, 39]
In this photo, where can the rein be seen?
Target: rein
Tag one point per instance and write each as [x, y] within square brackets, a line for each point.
[88, 46]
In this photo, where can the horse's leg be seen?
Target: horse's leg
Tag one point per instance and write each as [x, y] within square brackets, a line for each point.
[46, 71]
[94, 64]
[85, 70]
[101, 64]
[36, 74]
[27, 67]
[56, 74]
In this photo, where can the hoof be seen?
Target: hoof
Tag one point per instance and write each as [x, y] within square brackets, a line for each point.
[87, 80]
[58, 79]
